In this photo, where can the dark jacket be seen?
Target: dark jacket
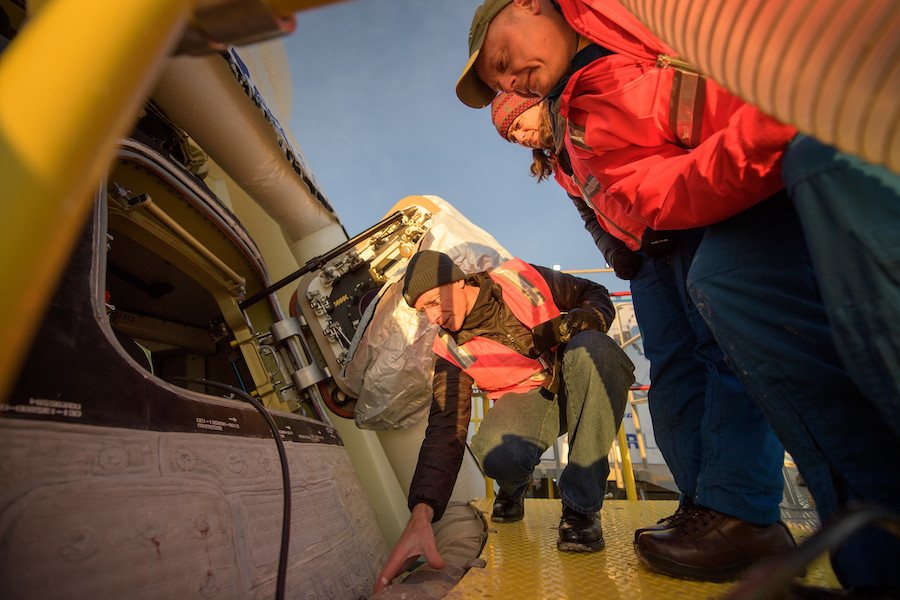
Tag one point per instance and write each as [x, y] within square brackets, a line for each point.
[448, 421]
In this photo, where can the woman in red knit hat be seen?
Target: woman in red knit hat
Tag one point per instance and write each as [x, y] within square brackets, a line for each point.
[687, 366]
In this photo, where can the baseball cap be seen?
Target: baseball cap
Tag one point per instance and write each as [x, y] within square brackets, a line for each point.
[470, 89]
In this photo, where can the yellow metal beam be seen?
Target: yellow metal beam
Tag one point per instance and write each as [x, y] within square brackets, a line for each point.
[72, 82]
[627, 468]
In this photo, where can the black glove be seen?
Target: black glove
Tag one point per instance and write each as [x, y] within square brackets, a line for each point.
[578, 320]
[625, 262]
[546, 334]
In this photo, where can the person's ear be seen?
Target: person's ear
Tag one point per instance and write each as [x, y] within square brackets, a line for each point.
[530, 6]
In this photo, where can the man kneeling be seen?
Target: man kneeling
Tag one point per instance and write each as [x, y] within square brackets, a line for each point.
[547, 372]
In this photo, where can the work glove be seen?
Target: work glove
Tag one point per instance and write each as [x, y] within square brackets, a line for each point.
[576, 321]
[625, 263]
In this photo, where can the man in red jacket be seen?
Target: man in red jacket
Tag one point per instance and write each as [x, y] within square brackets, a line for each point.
[625, 139]
[545, 371]
[740, 484]
[653, 139]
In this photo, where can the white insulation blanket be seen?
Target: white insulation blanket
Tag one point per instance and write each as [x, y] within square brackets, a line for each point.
[390, 362]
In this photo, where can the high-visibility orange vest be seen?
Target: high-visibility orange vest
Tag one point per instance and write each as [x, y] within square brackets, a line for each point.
[498, 369]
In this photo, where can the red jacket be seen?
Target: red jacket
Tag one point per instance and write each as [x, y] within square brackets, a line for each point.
[498, 369]
[628, 161]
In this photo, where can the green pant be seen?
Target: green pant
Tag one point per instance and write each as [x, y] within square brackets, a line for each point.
[518, 429]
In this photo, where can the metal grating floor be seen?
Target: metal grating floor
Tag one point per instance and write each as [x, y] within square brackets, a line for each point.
[522, 561]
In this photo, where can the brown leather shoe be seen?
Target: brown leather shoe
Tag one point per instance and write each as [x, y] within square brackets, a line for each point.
[711, 546]
[683, 512]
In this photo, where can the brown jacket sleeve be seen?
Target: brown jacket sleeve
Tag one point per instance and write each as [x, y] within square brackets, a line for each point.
[445, 439]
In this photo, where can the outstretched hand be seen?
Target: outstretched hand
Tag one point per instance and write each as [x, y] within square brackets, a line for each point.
[416, 540]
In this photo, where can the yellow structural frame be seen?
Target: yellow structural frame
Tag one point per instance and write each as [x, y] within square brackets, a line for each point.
[71, 84]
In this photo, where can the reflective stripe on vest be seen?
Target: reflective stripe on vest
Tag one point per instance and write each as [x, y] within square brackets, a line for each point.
[496, 368]
[459, 355]
[525, 292]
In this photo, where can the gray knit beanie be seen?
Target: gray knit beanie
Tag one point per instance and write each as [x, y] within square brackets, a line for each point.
[427, 270]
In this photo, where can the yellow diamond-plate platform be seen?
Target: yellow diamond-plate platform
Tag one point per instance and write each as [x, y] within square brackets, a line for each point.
[523, 562]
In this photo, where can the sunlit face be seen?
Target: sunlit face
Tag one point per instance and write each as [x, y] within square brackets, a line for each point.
[444, 305]
[526, 50]
[526, 129]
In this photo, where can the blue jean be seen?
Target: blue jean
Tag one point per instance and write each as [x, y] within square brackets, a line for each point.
[722, 452]
[753, 281]
[518, 429]
[850, 212]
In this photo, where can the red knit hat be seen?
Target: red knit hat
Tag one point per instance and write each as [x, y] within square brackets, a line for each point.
[506, 107]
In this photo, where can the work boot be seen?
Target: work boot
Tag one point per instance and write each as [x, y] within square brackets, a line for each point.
[509, 508]
[684, 511]
[579, 532]
[711, 546]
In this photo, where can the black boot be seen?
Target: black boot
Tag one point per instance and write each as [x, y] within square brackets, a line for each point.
[579, 532]
[508, 508]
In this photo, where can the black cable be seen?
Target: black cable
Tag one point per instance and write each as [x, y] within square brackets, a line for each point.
[318, 261]
[285, 474]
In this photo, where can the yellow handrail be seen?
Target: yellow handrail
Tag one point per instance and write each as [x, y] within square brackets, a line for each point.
[627, 468]
[72, 82]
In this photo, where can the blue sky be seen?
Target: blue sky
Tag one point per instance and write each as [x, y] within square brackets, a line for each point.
[377, 117]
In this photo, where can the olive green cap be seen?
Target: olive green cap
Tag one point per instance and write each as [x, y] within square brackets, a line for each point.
[470, 88]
